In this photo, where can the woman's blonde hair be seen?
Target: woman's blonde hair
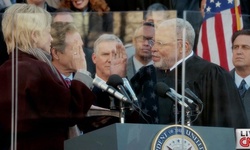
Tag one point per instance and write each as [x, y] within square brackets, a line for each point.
[21, 25]
[20, 21]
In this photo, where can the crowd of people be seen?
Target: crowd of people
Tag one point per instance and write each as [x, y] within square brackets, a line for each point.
[47, 72]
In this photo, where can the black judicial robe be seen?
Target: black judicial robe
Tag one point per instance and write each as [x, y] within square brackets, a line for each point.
[215, 87]
[211, 83]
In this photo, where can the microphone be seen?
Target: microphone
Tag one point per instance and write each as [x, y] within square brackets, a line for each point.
[129, 88]
[190, 93]
[101, 84]
[117, 82]
[163, 90]
[180, 96]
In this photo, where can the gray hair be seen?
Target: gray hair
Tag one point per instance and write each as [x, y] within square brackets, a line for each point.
[58, 32]
[105, 38]
[181, 24]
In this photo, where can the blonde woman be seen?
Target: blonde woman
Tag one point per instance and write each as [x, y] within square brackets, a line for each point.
[46, 106]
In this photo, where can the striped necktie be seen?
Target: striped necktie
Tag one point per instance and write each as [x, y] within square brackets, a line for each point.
[68, 81]
[242, 88]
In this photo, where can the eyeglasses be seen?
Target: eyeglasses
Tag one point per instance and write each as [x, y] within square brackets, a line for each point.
[161, 44]
[142, 38]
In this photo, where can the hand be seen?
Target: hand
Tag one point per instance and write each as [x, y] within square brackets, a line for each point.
[100, 121]
[118, 61]
[79, 61]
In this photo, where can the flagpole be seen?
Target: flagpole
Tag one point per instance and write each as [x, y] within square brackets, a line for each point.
[238, 23]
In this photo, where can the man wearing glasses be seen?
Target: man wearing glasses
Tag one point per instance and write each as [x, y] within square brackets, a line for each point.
[143, 42]
[173, 45]
[219, 102]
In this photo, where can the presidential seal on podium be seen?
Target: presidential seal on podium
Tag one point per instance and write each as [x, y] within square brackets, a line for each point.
[177, 137]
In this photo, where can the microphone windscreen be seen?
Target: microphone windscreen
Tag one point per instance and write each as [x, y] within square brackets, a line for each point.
[161, 89]
[114, 80]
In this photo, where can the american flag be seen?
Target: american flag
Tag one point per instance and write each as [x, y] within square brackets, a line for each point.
[220, 21]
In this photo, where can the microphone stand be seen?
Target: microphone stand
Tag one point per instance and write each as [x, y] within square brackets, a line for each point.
[122, 112]
[189, 112]
[188, 117]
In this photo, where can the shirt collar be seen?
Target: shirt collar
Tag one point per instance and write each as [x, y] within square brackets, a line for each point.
[69, 77]
[238, 80]
[180, 61]
[96, 76]
[138, 64]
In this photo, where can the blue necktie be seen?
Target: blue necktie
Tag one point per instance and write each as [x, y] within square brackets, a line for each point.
[242, 88]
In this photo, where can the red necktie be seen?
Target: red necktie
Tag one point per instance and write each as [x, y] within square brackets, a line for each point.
[68, 81]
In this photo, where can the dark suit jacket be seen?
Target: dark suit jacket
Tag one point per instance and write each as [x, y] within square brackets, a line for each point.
[245, 10]
[88, 56]
[46, 107]
[245, 99]
[130, 68]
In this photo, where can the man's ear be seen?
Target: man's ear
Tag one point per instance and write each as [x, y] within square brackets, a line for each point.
[54, 54]
[134, 41]
[186, 46]
[179, 47]
[94, 58]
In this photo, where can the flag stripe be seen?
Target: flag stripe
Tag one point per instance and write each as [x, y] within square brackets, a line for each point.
[219, 35]
[217, 28]
[212, 41]
[204, 39]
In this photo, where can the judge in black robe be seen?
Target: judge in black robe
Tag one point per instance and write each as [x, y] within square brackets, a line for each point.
[215, 87]
[211, 83]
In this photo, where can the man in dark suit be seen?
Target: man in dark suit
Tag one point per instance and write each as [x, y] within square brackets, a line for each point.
[108, 63]
[65, 16]
[142, 41]
[67, 55]
[109, 58]
[241, 62]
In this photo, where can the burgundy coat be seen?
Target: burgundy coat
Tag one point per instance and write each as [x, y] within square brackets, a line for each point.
[46, 107]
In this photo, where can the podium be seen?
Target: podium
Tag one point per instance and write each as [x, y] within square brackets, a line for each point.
[140, 137]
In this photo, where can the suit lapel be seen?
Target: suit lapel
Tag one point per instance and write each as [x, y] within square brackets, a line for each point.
[130, 68]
